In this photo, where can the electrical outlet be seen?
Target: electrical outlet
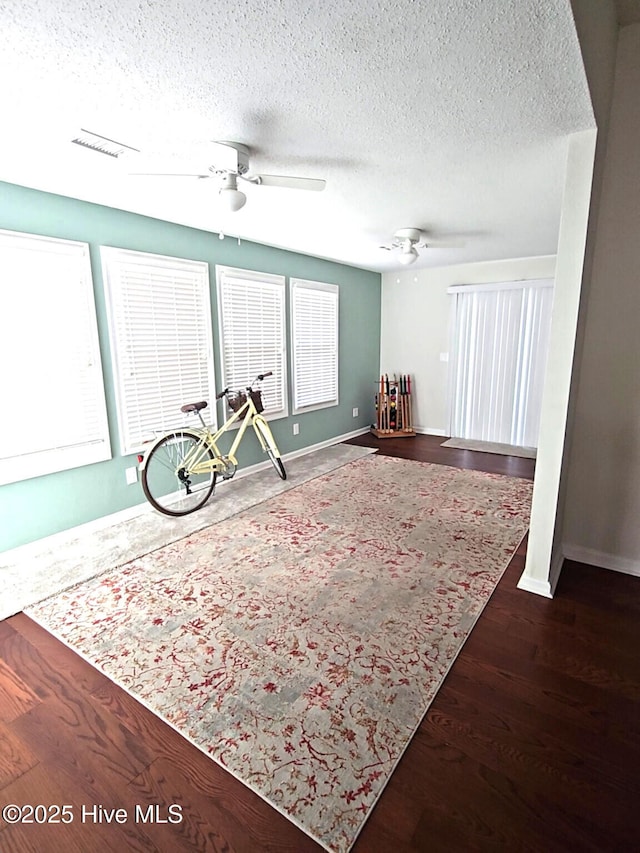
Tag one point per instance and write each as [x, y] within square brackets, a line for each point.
[296, 429]
[355, 411]
[131, 475]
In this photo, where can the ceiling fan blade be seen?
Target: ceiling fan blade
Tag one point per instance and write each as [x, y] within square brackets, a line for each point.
[313, 184]
[437, 243]
[169, 175]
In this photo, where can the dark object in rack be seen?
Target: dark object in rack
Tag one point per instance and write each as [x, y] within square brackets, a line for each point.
[394, 415]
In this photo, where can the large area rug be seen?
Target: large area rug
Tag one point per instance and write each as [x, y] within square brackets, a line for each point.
[300, 642]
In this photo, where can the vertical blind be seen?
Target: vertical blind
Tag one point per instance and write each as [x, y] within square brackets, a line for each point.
[252, 333]
[160, 323]
[314, 337]
[501, 337]
[51, 382]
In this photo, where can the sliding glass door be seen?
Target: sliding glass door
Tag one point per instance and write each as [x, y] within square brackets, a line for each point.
[501, 335]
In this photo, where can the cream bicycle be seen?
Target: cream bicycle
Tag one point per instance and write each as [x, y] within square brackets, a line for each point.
[179, 470]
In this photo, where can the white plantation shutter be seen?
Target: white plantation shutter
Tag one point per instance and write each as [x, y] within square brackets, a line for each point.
[160, 321]
[51, 386]
[252, 333]
[500, 353]
[314, 337]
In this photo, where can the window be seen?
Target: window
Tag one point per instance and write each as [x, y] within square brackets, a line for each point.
[314, 344]
[252, 333]
[51, 385]
[162, 348]
[500, 354]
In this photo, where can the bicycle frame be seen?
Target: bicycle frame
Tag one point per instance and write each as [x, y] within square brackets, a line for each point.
[198, 460]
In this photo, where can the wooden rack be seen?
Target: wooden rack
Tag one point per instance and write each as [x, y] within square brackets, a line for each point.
[394, 413]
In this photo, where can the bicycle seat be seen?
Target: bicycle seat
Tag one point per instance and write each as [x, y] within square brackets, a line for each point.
[194, 407]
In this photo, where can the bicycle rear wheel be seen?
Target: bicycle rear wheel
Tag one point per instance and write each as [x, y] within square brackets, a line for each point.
[167, 483]
[268, 445]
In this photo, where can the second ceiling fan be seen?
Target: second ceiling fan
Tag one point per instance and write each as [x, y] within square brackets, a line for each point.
[408, 240]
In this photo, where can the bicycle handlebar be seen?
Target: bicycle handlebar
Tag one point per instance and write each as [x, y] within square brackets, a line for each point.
[259, 378]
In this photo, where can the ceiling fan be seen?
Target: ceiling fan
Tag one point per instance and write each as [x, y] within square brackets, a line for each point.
[408, 240]
[231, 163]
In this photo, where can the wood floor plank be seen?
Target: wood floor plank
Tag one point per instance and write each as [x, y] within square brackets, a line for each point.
[23, 839]
[16, 758]
[58, 724]
[586, 584]
[91, 804]
[532, 743]
[210, 820]
[60, 656]
[572, 632]
[592, 668]
[548, 747]
[6, 631]
[16, 697]
[470, 805]
[544, 699]
[65, 716]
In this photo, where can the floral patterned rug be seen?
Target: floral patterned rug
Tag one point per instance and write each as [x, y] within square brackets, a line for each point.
[31, 573]
[300, 642]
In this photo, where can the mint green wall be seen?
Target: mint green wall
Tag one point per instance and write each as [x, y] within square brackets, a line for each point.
[41, 506]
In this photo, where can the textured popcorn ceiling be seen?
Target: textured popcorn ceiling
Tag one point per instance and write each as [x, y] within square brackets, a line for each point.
[450, 115]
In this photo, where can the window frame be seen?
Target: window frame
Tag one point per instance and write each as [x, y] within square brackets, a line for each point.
[112, 257]
[298, 285]
[96, 447]
[223, 276]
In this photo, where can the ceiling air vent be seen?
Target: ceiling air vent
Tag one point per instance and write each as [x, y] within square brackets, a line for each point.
[102, 144]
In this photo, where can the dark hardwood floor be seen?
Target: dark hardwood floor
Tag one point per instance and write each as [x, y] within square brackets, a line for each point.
[532, 743]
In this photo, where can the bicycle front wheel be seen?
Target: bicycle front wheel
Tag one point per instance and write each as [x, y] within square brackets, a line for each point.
[168, 483]
[269, 446]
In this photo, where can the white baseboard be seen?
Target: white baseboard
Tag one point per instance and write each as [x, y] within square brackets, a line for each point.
[430, 431]
[536, 586]
[546, 587]
[602, 560]
[319, 446]
[98, 524]
[579, 554]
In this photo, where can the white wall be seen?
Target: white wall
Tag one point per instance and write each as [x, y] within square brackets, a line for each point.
[542, 566]
[416, 326]
[602, 520]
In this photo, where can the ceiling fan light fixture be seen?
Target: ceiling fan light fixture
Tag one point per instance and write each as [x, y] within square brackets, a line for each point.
[232, 198]
[408, 255]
